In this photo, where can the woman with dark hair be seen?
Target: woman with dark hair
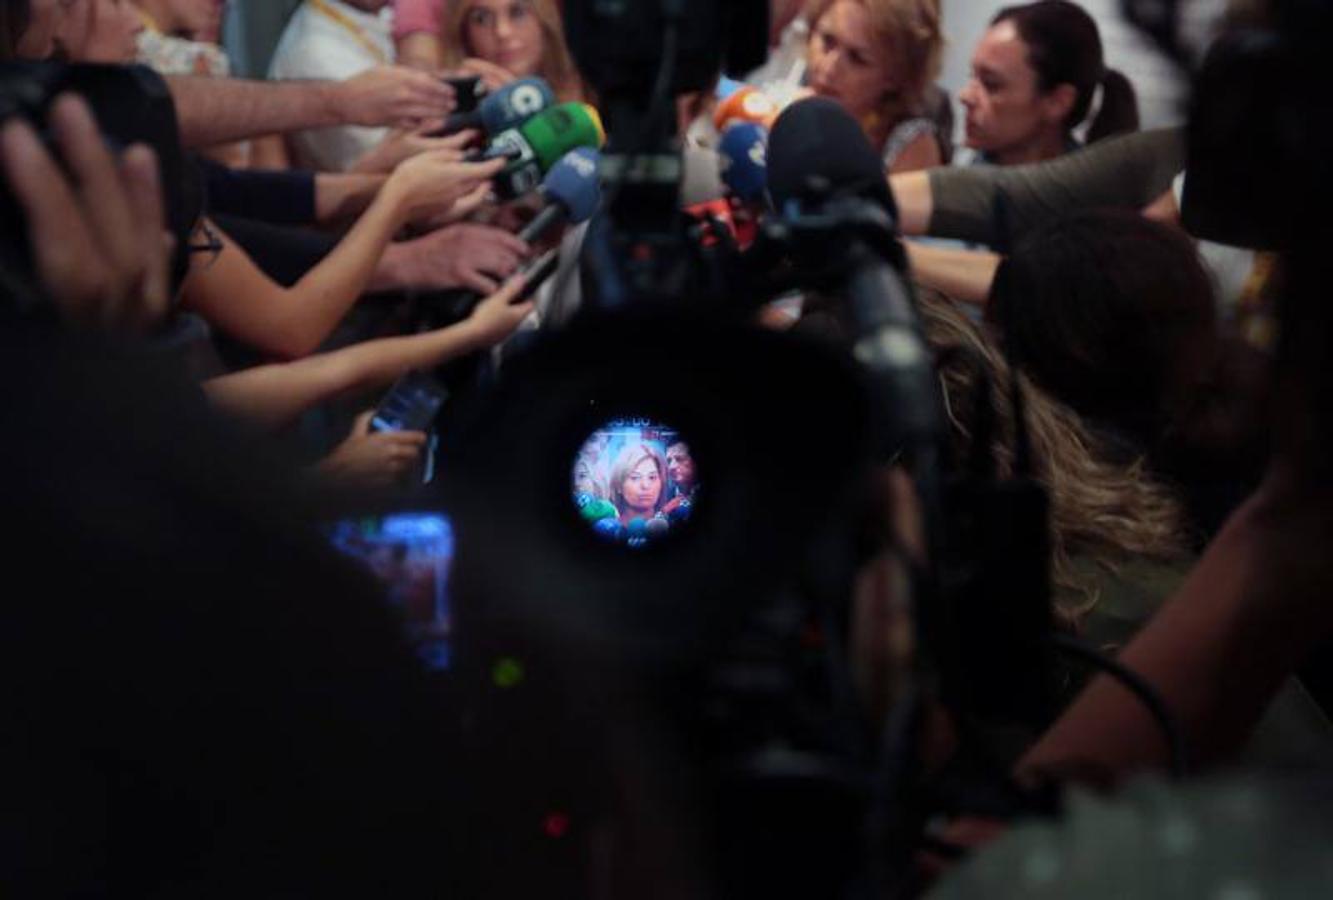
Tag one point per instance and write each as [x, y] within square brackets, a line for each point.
[1035, 75]
[1114, 315]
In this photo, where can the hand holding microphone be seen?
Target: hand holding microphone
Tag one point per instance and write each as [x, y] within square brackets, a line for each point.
[499, 315]
[432, 183]
[572, 192]
[506, 108]
[534, 147]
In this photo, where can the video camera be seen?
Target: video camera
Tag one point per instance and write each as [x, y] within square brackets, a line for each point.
[660, 512]
[132, 105]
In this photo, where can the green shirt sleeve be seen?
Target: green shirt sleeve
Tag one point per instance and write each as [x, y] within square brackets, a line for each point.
[998, 204]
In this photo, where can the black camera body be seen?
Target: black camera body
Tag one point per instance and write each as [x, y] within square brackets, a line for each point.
[639, 55]
[778, 430]
[691, 637]
[132, 105]
[618, 43]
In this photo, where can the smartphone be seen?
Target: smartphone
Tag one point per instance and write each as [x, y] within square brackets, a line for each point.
[412, 405]
[537, 271]
[468, 91]
[450, 307]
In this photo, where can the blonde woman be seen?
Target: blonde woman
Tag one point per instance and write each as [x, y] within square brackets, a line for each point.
[879, 58]
[1119, 538]
[638, 481]
[501, 40]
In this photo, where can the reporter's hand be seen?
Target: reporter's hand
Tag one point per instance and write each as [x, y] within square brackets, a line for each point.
[371, 459]
[463, 209]
[393, 96]
[463, 256]
[429, 185]
[404, 143]
[493, 76]
[98, 240]
[498, 316]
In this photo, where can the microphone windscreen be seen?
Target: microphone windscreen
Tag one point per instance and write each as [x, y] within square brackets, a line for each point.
[514, 104]
[575, 184]
[554, 132]
[609, 529]
[747, 104]
[598, 509]
[702, 180]
[817, 138]
[744, 157]
[681, 512]
[657, 526]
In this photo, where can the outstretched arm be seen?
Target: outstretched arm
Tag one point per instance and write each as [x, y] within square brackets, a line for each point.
[1218, 651]
[274, 395]
[221, 110]
[993, 204]
[238, 298]
[962, 274]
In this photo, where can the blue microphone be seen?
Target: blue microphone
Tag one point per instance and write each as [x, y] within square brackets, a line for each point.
[682, 512]
[509, 107]
[637, 533]
[572, 190]
[744, 160]
[609, 529]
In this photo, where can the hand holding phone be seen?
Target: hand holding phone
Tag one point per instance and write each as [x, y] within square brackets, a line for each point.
[468, 91]
[412, 406]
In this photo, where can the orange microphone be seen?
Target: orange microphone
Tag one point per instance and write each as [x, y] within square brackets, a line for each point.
[747, 104]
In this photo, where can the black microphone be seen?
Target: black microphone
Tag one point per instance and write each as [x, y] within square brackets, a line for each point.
[829, 187]
[828, 184]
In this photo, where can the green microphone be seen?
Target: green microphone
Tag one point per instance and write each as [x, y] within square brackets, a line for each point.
[539, 143]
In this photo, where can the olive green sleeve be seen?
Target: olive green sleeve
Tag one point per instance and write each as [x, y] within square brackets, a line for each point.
[997, 204]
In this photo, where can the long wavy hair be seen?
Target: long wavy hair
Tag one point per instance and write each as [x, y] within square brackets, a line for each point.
[1099, 508]
[557, 66]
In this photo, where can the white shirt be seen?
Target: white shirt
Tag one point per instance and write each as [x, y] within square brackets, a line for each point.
[783, 75]
[316, 46]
